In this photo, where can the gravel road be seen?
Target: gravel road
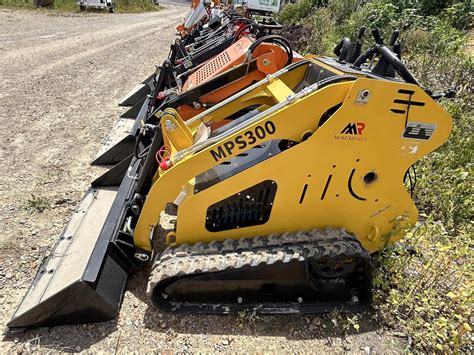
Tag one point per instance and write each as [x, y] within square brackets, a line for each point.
[61, 78]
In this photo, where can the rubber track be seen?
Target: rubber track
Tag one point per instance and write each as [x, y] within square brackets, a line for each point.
[234, 254]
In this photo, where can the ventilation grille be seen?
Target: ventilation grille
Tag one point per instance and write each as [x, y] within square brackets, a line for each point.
[214, 65]
[250, 207]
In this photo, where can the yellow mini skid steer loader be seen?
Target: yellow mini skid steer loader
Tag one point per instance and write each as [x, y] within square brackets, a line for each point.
[277, 210]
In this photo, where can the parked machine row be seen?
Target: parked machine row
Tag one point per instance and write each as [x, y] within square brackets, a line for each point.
[246, 176]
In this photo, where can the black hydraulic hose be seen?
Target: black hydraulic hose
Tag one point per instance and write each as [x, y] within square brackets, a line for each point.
[335, 79]
[149, 167]
[242, 19]
[242, 29]
[278, 40]
[270, 27]
[297, 64]
[136, 154]
[391, 58]
[138, 139]
[364, 56]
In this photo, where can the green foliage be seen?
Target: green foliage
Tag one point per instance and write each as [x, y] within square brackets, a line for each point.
[340, 10]
[135, 6]
[293, 13]
[320, 23]
[424, 287]
[17, 3]
[246, 318]
[459, 15]
[381, 14]
[445, 189]
[37, 204]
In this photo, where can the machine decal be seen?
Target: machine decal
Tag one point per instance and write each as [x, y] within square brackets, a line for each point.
[413, 149]
[354, 128]
[328, 181]
[244, 140]
[303, 193]
[419, 130]
[349, 185]
[354, 131]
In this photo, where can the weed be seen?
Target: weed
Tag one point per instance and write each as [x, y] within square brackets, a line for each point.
[246, 318]
[352, 322]
[37, 204]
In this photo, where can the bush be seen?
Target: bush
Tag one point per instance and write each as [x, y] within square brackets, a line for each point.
[293, 13]
[424, 284]
[424, 288]
[322, 37]
[459, 15]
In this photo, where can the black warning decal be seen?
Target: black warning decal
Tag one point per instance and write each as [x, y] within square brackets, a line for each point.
[419, 130]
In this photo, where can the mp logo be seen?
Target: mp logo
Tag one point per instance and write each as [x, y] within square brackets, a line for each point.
[354, 128]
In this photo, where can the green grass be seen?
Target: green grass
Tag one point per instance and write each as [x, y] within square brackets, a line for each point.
[71, 6]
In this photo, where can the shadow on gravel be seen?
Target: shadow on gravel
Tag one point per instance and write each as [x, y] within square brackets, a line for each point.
[68, 338]
[76, 338]
[294, 327]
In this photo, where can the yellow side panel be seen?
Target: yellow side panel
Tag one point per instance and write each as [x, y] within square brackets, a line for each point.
[360, 139]
[169, 185]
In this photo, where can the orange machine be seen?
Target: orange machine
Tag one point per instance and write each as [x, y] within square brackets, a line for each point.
[245, 62]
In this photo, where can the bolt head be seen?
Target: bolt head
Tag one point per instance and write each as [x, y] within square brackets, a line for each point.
[355, 300]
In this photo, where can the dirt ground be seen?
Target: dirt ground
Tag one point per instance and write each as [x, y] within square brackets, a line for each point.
[61, 78]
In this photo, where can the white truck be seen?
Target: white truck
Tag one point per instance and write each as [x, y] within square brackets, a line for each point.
[264, 7]
[96, 4]
[272, 6]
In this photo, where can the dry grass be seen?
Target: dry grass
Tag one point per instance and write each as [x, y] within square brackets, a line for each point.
[71, 6]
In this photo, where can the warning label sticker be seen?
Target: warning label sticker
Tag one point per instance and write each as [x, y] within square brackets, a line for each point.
[419, 130]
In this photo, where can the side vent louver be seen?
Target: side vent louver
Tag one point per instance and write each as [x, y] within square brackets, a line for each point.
[212, 67]
[249, 207]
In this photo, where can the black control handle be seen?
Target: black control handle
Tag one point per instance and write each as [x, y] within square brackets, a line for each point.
[449, 94]
[394, 37]
[377, 36]
[342, 46]
[361, 33]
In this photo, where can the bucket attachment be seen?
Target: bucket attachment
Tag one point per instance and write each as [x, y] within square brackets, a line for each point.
[79, 282]
[133, 111]
[83, 279]
[119, 143]
[139, 92]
